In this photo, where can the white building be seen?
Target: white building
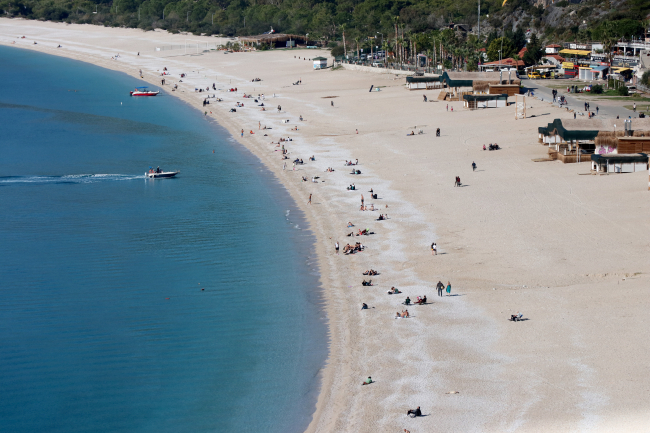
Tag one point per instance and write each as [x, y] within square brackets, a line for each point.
[320, 63]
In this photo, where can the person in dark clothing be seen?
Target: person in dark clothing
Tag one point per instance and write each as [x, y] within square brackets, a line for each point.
[473, 166]
[440, 287]
[415, 412]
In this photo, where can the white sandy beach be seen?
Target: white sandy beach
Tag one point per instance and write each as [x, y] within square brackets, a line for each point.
[571, 251]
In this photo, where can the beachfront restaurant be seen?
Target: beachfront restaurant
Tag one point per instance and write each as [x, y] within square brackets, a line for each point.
[573, 140]
[480, 83]
[474, 102]
[423, 83]
[320, 62]
[613, 163]
[274, 40]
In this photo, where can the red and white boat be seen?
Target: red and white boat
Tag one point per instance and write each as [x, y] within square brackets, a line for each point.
[143, 91]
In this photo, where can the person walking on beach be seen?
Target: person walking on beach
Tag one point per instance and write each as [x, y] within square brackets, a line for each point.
[361, 200]
[425, 98]
[242, 132]
[336, 247]
[596, 109]
[440, 286]
[279, 108]
[309, 202]
[634, 107]
[448, 288]
[294, 166]
[447, 107]
[332, 102]
[473, 166]
[434, 249]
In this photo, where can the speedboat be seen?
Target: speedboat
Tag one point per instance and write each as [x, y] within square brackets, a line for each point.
[155, 174]
[143, 91]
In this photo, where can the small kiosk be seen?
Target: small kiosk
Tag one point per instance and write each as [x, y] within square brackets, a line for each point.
[320, 63]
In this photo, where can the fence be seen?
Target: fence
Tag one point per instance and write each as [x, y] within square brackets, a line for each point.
[185, 47]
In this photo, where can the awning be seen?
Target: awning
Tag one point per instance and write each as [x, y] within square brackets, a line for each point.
[600, 68]
[578, 52]
[621, 69]
[567, 65]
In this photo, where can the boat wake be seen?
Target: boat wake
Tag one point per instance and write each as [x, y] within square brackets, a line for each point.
[68, 178]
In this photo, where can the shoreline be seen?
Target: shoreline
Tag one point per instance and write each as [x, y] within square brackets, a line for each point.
[230, 127]
[520, 236]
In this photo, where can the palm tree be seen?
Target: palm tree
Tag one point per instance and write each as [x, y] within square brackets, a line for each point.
[356, 39]
[345, 48]
[385, 46]
[609, 39]
[395, 21]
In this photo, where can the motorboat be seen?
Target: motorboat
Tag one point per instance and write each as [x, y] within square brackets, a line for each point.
[143, 91]
[158, 173]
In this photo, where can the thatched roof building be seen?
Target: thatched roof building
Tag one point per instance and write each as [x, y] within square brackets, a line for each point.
[273, 38]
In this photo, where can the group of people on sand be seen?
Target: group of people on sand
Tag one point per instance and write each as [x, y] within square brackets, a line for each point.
[348, 163]
[382, 217]
[371, 272]
[370, 207]
[491, 147]
[404, 315]
[349, 249]
[420, 300]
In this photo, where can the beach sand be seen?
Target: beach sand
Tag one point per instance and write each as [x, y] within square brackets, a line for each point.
[567, 249]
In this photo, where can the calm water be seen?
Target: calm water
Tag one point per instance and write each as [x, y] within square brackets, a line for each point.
[103, 323]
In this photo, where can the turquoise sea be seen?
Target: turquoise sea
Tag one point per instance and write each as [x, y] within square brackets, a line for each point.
[132, 305]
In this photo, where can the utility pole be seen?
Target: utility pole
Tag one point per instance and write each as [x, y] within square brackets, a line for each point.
[212, 19]
[479, 20]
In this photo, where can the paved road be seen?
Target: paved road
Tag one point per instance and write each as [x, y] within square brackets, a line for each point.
[577, 103]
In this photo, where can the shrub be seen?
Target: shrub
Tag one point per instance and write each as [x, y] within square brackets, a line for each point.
[622, 90]
[338, 51]
[597, 89]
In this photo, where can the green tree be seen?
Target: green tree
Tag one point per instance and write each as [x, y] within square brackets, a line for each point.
[534, 51]
[505, 45]
[645, 79]
[519, 39]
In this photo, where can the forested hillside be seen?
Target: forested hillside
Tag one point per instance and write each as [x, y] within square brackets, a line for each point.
[325, 21]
